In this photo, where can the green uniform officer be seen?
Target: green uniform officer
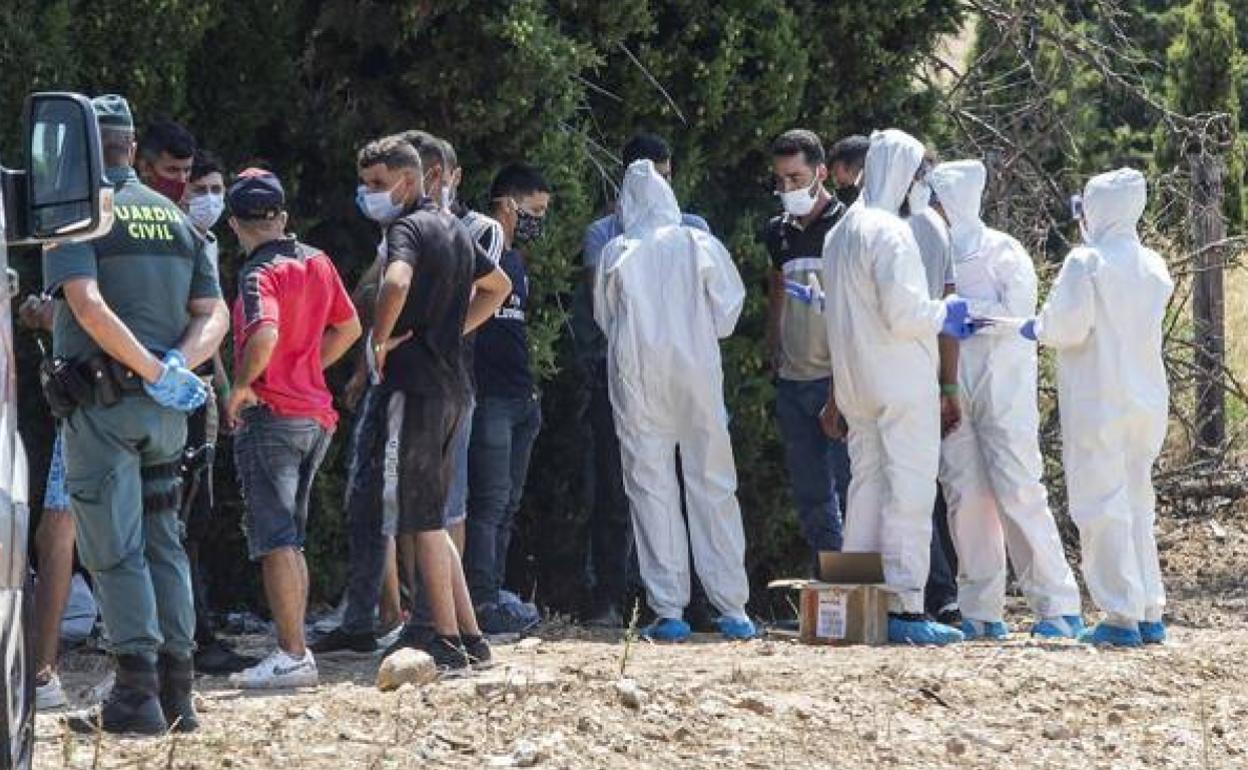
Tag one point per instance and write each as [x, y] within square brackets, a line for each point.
[136, 310]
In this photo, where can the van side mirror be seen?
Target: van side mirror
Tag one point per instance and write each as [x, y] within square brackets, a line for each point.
[62, 194]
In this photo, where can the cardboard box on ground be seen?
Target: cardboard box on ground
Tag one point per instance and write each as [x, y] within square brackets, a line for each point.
[847, 605]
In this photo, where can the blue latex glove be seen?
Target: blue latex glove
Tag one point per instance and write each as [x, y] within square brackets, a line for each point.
[175, 358]
[178, 387]
[957, 319]
[1028, 329]
[806, 295]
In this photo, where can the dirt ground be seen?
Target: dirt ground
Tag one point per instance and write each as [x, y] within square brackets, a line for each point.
[553, 701]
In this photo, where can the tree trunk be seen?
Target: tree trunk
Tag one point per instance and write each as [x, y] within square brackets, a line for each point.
[1208, 226]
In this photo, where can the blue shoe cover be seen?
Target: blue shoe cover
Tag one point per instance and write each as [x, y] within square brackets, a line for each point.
[1059, 627]
[666, 630]
[1153, 632]
[991, 630]
[901, 631]
[736, 629]
[1115, 636]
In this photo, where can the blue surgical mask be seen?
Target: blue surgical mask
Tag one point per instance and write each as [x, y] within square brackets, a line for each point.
[378, 206]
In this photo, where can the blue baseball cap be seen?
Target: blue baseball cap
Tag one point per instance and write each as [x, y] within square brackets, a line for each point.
[256, 194]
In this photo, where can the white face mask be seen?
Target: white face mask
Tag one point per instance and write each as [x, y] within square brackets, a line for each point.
[204, 210]
[920, 195]
[378, 206]
[798, 203]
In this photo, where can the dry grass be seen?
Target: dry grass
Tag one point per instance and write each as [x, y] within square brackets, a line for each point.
[1237, 321]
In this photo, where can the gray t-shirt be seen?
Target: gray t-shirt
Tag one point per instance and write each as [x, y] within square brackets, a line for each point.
[933, 238]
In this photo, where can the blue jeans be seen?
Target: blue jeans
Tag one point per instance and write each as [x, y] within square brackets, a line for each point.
[366, 542]
[503, 432]
[942, 578]
[818, 466]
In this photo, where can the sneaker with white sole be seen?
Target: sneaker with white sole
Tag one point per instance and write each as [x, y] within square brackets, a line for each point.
[49, 694]
[278, 671]
[387, 638]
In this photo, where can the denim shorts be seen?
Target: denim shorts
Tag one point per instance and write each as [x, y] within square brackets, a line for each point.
[277, 459]
[56, 493]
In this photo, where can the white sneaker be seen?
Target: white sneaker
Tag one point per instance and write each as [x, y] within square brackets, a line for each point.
[388, 638]
[50, 695]
[279, 670]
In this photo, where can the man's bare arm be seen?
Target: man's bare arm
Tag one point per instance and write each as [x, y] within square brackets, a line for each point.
[775, 306]
[101, 324]
[338, 339]
[490, 292]
[390, 300]
[210, 320]
[257, 352]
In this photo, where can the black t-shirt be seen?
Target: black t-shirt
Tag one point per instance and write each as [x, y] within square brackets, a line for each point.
[445, 263]
[503, 343]
[785, 239]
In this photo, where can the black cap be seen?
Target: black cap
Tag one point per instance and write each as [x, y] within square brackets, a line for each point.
[256, 194]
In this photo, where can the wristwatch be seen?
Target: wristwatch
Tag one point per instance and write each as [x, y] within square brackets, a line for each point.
[949, 389]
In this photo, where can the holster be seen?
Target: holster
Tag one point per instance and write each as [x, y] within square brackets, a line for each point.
[98, 381]
[197, 461]
[64, 387]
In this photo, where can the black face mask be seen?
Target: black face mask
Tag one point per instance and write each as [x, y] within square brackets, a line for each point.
[528, 227]
[847, 194]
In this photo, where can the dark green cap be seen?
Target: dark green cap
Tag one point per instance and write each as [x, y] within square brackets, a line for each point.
[113, 112]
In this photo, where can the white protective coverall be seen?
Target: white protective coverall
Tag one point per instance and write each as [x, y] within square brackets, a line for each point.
[882, 327]
[1104, 315]
[990, 466]
[664, 295]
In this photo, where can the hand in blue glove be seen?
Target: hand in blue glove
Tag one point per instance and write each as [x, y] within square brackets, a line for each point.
[799, 291]
[807, 294]
[1028, 329]
[957, 319]
[178, 387]
[175, 359]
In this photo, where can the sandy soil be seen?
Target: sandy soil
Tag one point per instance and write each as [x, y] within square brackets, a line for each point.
[555, 702]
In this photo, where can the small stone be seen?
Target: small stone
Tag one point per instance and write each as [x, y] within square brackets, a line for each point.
[712, 708]
[1115, 718]
[1056, 731]
[406, 667]
[529, 644]
[955, 746]
[630, 694]
[870, 735]
[525, 754]
[314, 713]
[587, 724]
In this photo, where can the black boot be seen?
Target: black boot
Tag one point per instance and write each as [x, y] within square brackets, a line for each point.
[176, 677]
[132, 706]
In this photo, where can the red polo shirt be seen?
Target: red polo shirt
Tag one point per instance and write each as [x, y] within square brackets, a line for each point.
[296, 289]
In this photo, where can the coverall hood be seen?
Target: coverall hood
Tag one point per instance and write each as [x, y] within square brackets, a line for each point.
[647, 201]
[1113, 203]
[959, 187]
[893, 158]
